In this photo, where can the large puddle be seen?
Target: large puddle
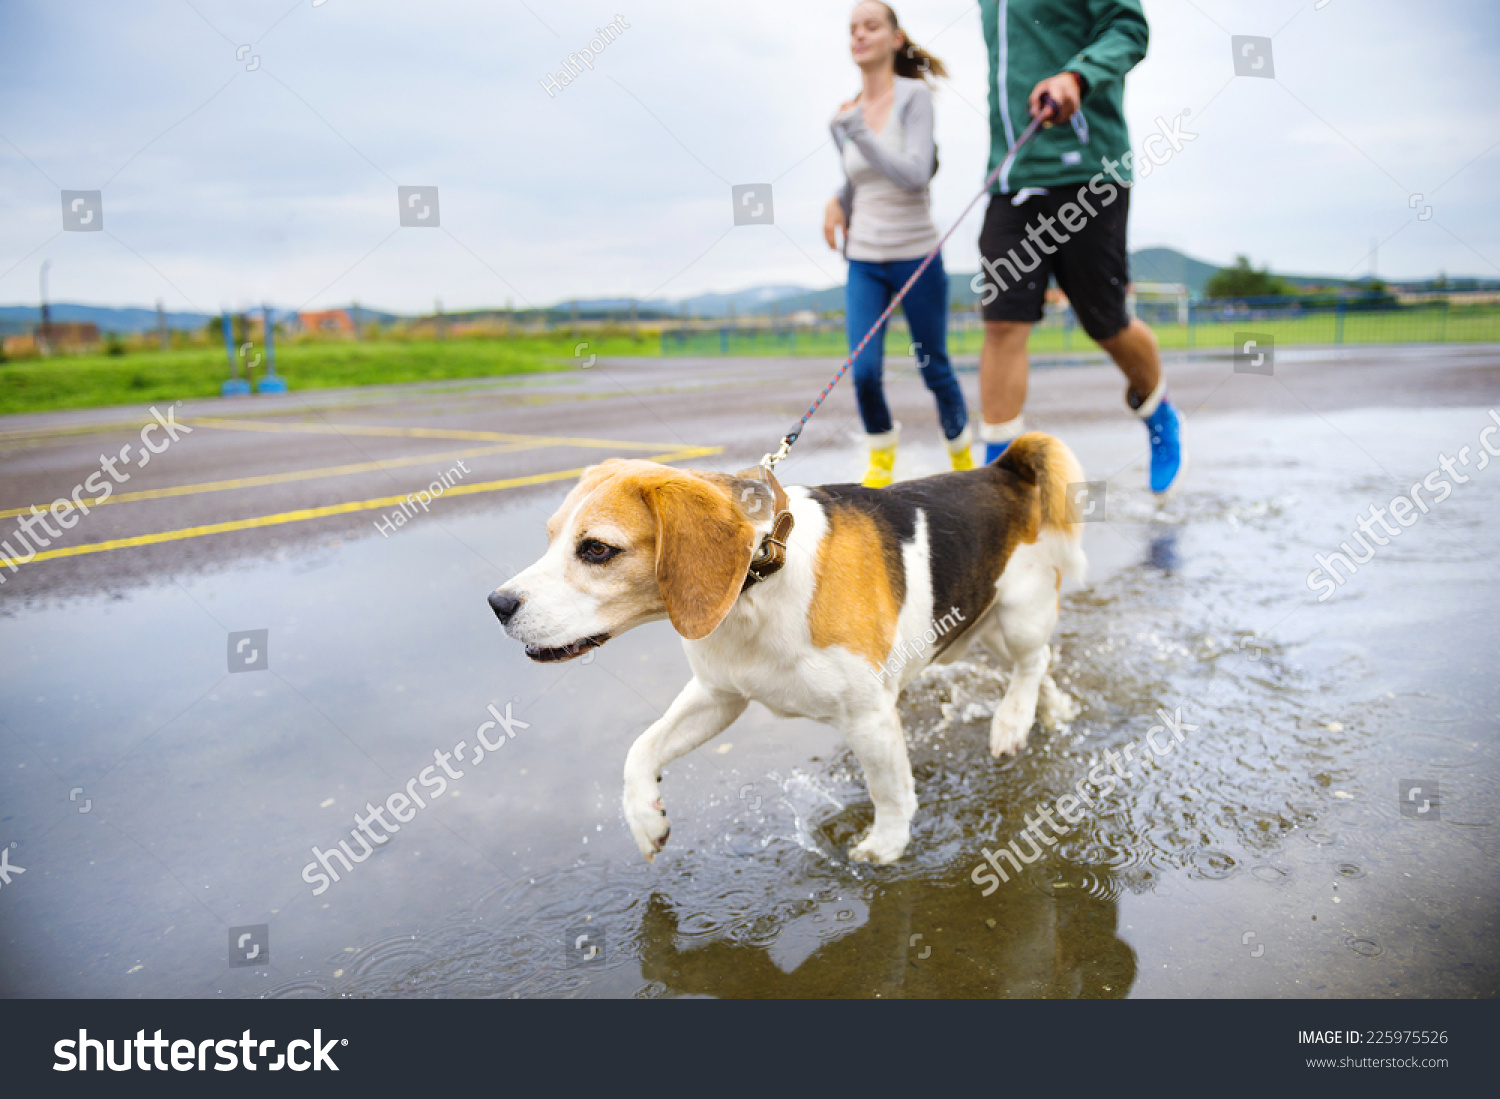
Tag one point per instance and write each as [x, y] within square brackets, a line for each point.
[1275, 849]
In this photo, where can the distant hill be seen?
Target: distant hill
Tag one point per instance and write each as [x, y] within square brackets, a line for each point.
[21, 318]
[757, 299]
[1170, 265]
[1146, 265]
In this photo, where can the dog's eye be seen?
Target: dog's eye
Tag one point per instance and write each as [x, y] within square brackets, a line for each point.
[595, 552]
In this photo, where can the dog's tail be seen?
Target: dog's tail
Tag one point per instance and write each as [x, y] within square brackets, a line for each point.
[1047, 464]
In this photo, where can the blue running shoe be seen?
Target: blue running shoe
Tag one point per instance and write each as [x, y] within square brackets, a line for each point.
[1165, 426]
[993, 451]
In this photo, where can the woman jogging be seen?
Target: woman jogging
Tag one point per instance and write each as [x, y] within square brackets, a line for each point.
[884, 137]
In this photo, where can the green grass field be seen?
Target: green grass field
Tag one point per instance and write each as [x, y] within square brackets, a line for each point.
[89, 381]
[1461, 324]
[1415, 324]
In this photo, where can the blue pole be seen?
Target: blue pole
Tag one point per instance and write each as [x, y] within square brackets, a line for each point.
[234, 385]
[270, 340]
[270, 381]
[229, 344]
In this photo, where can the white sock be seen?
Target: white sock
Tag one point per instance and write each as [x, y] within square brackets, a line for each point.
[1152, 403]
[962, 441]
[1002, 433]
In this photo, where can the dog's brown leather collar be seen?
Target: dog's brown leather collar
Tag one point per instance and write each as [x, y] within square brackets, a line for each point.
[771, 555]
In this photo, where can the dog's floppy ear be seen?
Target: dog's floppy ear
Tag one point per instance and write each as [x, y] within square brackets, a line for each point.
[703, 547]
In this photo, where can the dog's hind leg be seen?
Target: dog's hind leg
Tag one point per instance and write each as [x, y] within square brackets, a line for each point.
[697, 715]
[1025, 616]
[1054, 705]
[1017, 710]
[878, 740]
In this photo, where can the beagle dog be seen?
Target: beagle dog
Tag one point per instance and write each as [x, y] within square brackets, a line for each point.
[816, 602]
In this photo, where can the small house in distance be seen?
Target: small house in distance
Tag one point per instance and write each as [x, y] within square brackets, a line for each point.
[328, 321]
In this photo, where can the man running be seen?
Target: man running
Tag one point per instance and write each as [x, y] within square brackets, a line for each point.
[1060, 209]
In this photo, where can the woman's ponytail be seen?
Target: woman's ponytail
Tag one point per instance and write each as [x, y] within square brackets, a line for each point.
[912, 61]
[915, 63]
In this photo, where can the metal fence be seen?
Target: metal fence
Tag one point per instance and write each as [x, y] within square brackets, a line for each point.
[1462, 317]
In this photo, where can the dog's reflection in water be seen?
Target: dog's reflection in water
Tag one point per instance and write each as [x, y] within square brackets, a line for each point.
[918, 942]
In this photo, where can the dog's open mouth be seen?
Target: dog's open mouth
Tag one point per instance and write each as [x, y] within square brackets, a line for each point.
[566, 652]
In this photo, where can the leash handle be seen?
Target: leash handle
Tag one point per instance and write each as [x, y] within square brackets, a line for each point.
[1050, 107]
[1049, 110]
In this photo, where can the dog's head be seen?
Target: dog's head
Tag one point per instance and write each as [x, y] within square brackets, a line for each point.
[632, 543]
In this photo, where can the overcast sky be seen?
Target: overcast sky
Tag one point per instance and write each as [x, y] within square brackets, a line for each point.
[273, 177]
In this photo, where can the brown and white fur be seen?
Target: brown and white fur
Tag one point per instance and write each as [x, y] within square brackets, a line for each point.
[868, 572]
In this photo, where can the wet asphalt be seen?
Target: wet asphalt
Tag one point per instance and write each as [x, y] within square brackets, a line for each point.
[164, 790]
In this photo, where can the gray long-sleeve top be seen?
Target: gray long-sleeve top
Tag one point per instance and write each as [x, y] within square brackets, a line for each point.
[885, 196]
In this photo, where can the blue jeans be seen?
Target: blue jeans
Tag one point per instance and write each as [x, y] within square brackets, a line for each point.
[868, 291]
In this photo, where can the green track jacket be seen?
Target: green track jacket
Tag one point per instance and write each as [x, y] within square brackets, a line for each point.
[1030, 40]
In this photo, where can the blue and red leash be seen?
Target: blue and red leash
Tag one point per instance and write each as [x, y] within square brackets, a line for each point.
[1049, 108]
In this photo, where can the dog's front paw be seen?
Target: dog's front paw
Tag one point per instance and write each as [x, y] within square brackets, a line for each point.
[880, 847]
[649, 824]
[1008, 732]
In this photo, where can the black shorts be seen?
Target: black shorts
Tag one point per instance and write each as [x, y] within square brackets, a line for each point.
[1091, 265]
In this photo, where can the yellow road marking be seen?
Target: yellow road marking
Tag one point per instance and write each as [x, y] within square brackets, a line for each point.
[418, 433]
[65, 432]
[282, 478]
[330, 509]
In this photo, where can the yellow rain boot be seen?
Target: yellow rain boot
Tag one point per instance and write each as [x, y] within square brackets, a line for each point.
[959, 449]
[882, 458]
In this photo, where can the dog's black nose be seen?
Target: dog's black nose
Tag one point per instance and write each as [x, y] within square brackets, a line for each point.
[504, 604]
